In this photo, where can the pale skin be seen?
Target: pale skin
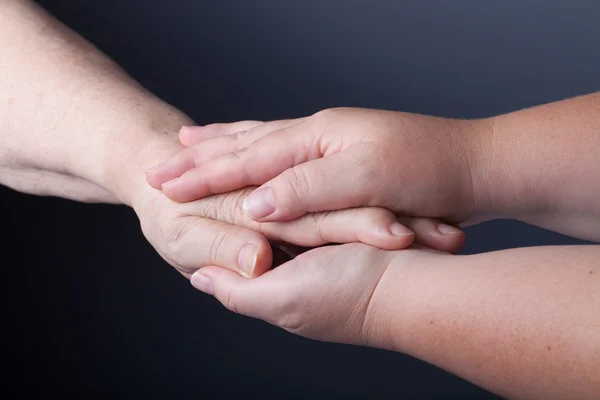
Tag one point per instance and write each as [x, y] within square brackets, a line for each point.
[523, 323]
[73, 124]
[96, 132]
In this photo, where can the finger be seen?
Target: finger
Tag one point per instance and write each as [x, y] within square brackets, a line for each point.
[242, 250]
[190, 158]
[266, 158]
[223, 137]
[251, 297]
[318, 185]
[198, 155]
[238, 140]
[172, 168]
[192, 135]
[374, 226]
[435, 234]
[370, 225]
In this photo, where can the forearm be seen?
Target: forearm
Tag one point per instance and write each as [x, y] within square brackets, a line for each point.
[73, 124]
[540, 165]
[523, 323]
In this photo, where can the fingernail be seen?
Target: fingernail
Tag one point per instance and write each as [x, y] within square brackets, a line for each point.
[447, 229]
[170, 183]
[203, 283]
[186, 127]
[247, 259]
[154, 168]
[396, 228]
[260, 203]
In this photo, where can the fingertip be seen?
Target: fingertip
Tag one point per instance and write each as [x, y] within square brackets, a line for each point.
[173, 190]
[153, 180]
[453, 243]
[203, 282]
[394, 236]
[264, 257]
[260, 204]
[438, 235]
[190, 135]
[187, 187]
[386, 232]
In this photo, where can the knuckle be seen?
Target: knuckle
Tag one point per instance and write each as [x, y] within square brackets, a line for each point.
[230, 301]
[290, 318]
[242, 156]
[325, 114]
[292, 322]
[318, 221]
[223, 207]
[240, 139]
[173, 237]
[376, 214]
[196, 154]
[297, 182]
[287, 311]
[220, 237]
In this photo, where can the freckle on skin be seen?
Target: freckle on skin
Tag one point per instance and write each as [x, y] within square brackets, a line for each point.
[591, 272]
[549, 348]
[431, 322]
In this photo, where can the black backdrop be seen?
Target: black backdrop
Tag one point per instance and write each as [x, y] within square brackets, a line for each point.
[91, 310]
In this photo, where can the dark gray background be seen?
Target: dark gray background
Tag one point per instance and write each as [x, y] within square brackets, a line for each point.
[91, 310]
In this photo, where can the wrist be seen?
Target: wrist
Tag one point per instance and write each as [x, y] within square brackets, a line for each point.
[387, 316]
[146, 142]
[404, 307]
[494, 180]
[479, 152]
[501, 166]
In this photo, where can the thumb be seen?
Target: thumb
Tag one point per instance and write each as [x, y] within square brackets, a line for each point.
[250, 297]
[325, 184]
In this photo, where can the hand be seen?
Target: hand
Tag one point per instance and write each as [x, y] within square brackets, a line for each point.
[215, 231]
[330, 293]
[335, 159]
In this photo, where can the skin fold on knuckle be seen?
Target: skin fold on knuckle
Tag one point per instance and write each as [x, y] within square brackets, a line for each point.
[173, 235]
[297, 184]
[228, 208]
[319, 122]
[242, 157]
[241, 140]
[318, 221]
[230, 301]
[222, 207]
[220, 237]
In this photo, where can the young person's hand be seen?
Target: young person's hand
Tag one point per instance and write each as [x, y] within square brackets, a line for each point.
[322, 294]
[336, 159]
[215, 231]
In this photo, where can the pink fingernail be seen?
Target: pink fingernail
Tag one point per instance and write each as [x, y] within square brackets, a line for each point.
[247, 260]
[203, 283]
[398, 229]
[260, 204]
[170, 183]
[448, 229]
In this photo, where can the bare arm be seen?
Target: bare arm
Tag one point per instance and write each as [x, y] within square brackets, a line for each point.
[523, 323]
[542, 166]
[72, 123]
